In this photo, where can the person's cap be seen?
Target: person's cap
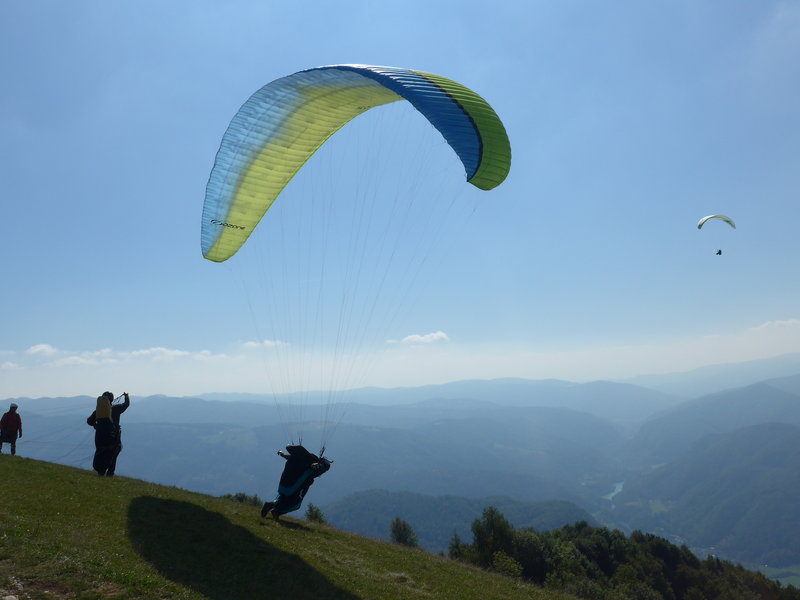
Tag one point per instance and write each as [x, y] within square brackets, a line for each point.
[14, 405]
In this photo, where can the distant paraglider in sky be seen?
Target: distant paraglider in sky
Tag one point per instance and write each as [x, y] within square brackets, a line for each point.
[728, 220]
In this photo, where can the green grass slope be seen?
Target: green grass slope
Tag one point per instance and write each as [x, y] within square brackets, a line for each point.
[66, 533]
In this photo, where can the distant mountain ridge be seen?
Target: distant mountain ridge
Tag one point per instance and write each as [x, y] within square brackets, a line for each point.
[622, 403]
[672, 387]
[666, 436]
[721, 377]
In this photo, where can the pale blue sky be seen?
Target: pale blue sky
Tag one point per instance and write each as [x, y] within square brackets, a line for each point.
[628, 122]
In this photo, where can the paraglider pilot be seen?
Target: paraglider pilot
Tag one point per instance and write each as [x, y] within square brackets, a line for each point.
[301, 469]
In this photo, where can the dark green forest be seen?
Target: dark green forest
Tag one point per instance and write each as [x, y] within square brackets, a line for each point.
[603, 564]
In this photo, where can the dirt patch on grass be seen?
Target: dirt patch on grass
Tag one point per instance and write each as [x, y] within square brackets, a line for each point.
[55, 590]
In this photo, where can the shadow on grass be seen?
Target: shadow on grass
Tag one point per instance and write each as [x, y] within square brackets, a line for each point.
[291, 525]
[204, 551]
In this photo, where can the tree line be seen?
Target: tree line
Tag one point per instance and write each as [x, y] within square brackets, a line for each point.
[604, 564]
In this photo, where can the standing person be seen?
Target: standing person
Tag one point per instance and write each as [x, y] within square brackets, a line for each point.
[301, 469]
[10, 428]
[107, 442]
[116, 411]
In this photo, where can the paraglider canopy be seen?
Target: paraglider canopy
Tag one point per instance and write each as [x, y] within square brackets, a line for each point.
[284, 123]
[728, 220]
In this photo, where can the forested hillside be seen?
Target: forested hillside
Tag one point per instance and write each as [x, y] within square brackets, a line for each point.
[733, 493]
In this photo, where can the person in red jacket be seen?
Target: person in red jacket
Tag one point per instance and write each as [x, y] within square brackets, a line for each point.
[10, 428]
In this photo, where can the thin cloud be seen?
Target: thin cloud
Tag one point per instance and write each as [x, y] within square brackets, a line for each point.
[783, 325]
[42, 350]
[265, 344]
[160, 354]
[82, 361]
[206, 355]
[417, 359]
[47, 355]
[427, 338]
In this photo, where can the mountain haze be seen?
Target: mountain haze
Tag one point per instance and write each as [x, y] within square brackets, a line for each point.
[621, 403]
[668, 435]
[718, 378]
[734, 493]
[436, 518]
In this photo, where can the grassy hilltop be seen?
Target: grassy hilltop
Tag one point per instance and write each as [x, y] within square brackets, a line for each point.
[66, 533]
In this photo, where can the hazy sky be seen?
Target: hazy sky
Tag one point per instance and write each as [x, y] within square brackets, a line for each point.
[628, 122]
